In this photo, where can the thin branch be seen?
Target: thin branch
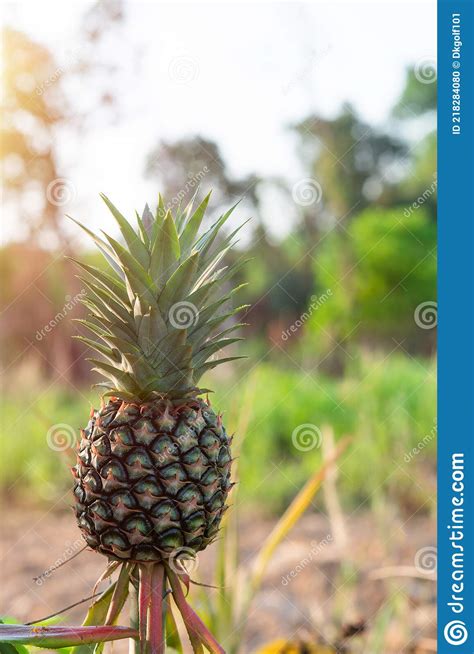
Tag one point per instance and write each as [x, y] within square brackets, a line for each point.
[402, 571]
[59, 565]
[71, 606]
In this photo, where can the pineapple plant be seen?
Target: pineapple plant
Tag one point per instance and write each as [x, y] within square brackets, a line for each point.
[154, 461]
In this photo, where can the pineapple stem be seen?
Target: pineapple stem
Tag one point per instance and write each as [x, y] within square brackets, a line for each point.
[157, 615]
[134, 647]
[144, 592]
[151, 588]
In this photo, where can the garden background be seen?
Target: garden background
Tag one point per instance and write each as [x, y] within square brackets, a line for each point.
[325, 129]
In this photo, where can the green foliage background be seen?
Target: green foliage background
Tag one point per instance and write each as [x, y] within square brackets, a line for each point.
[332, 337]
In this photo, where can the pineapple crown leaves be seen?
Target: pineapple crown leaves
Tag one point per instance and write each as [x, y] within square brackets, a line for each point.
[158, 315]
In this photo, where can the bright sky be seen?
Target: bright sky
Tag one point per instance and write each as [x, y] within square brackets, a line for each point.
[237, 72]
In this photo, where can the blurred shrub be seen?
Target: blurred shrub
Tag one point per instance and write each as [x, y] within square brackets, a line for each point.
[379, 270]
[386, 404]
[417, 97]
[38, 431]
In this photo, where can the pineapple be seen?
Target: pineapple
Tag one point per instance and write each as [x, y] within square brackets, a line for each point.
[154, 462]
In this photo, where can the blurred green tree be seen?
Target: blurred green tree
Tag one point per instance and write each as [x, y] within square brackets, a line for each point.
[418, 96]
[348, 158]
[417, 103]
[181, 166]
[380, 270]
[279, 282]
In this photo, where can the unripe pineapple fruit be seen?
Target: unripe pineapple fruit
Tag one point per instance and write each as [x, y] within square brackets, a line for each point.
[153, 469]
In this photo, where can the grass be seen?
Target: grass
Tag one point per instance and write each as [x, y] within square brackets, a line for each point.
[387, 405]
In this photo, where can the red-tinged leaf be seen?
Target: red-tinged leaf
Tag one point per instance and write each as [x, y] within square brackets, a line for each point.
[6, 648]
[109, 570]
[173, 641]
[116, 602]
[120, 594]
[96, 615]
[197, 630]
[62, 636]
[180, 602]
[185, 579]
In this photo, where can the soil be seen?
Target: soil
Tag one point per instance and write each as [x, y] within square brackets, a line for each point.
[377, 572]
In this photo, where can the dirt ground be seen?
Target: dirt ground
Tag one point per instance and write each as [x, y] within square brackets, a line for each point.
[373, 568]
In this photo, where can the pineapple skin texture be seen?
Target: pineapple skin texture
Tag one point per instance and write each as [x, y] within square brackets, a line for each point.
[152, 479]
